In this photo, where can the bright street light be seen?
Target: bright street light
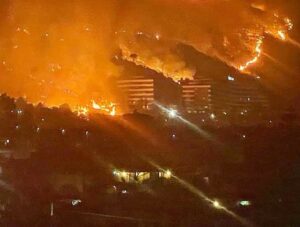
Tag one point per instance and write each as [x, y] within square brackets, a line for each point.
[172, 113]
[217, 205]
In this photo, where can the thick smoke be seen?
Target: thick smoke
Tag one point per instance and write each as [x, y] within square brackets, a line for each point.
[229, 30]
[57, 51]
[60, 51]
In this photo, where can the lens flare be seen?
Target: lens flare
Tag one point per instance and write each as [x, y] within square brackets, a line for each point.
[193, 189]
[279, 64]
[186, 122]
[294, 42]
[282, 35]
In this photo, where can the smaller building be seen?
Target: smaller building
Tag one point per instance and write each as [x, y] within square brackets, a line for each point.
[139, 93]
[196, 95]
[235, 99]
[140, 176]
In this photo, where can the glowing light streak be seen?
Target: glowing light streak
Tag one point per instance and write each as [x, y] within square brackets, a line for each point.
[258, 51]
[282, 35]
[172, 113]
[279, 34]
[294, 42]
[217, 205]
[168, 174]
[214, 203]
[188, 123]
[278, 63]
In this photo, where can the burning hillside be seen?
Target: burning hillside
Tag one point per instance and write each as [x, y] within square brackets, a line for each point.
[54, 59]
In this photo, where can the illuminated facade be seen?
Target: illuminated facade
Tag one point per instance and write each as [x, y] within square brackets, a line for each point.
[239, 96]
[196, 95]
[140, 92]
[226, 98]
[140, 177]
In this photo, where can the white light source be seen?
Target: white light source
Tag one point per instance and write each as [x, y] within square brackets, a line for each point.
[6, 142]
[212, 116]
[168, 174]
[76, 202]
[157, 36]
[19, 112]
[245, 203]
[123, 174]
[172, 113]
[230, 78]
[115, 172]
[217, 205]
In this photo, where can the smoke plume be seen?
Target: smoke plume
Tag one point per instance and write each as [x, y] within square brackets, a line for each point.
[60, 51]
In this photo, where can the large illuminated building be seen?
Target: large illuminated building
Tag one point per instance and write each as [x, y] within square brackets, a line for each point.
[232, 98]
[139, 93]
[196, 95]
[140, 88]
[240, 95]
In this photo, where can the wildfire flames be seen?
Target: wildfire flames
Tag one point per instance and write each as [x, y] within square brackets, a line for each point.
[82, 111]
[241, 43]
[55, 60]
[104, 107]
[258, 52]
[280, 34]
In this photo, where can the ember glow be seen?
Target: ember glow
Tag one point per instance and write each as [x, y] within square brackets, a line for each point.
[82, 111]
[105, 107]
[55, 60]
[258, 52]
[289, 23]
[282, 35]
[149, 112]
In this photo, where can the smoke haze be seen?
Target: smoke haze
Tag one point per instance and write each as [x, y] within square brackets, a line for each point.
[59, 52]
